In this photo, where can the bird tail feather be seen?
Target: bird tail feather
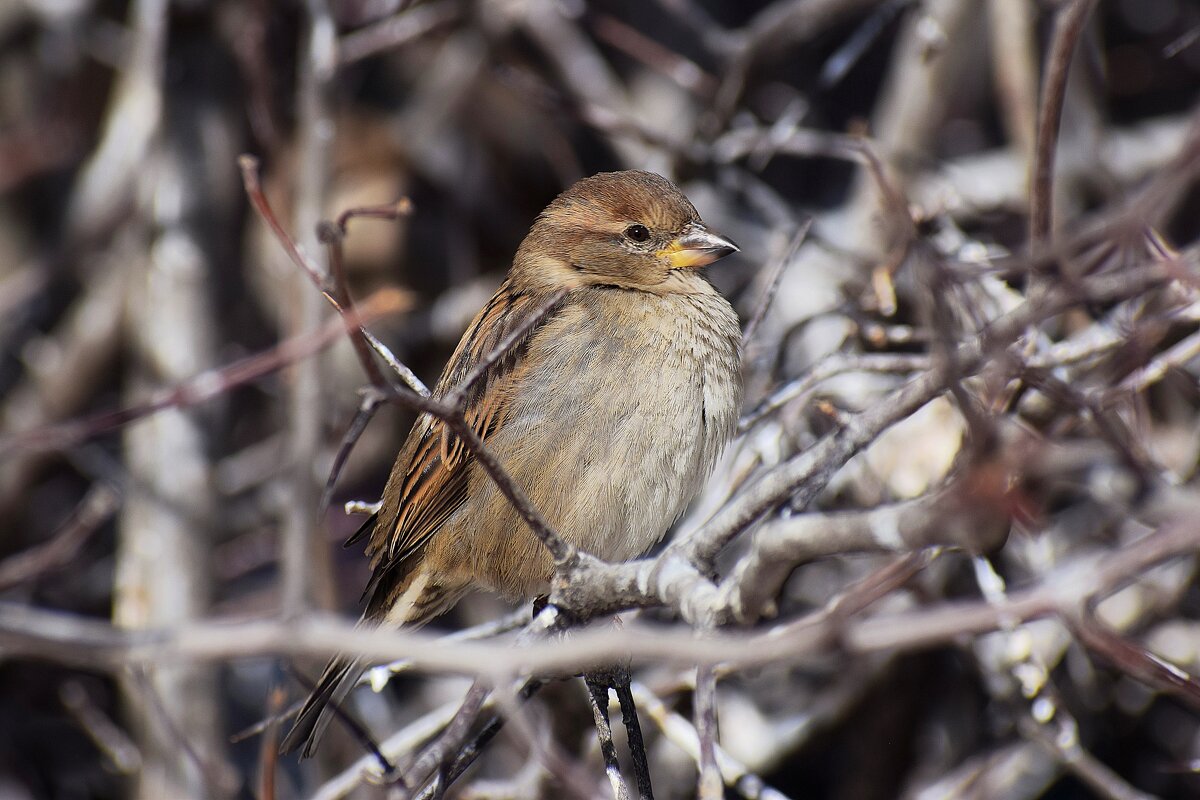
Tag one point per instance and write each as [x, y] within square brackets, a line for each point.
[319, 709]
[411, 600]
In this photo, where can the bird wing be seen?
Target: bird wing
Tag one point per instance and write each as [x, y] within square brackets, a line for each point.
[429, 480]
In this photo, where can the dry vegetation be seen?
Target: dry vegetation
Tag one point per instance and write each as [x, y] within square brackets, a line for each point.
[952, 554]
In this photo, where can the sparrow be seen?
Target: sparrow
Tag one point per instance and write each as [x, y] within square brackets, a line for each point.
[610, 412]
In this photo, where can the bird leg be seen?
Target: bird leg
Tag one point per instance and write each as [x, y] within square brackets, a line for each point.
[598, 694]
[598, 683]
[618, 679]
[633, 729]
[444, 761]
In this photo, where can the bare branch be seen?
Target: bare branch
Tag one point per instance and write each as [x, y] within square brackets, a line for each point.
[710, 786]
[97, 507]
[70, 639]
[208, 384]
[397, 30]
[1068, 26]
[775, 271]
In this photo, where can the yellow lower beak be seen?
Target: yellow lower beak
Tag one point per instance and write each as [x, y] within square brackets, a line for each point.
[696, 247]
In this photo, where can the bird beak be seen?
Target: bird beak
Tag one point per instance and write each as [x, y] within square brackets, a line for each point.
[696, 247]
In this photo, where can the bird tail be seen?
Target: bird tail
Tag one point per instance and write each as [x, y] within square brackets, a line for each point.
[319, 709]
[407, 598]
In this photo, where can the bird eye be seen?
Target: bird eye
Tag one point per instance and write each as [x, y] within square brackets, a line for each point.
[637, 233]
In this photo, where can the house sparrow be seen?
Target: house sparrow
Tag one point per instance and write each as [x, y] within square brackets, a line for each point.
[610, 413]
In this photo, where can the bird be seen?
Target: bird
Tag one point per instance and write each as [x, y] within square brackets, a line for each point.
[610, 413]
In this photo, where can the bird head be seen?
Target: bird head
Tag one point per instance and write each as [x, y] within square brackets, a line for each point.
[633, 230]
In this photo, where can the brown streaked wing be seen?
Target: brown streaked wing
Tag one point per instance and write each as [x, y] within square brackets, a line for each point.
[429, 480]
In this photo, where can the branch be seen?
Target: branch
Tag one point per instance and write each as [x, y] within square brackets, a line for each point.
[964, 514]
[208, 384]
[1068, 26]
[71, 639]
[96, 508]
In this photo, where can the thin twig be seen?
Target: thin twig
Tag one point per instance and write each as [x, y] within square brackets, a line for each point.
[208, 384]
[370, 400]
[405, 374]
[120, 751]
[431, 763]
[268, 752]
[389, 212]
[831, 366]
[1068, 27]
[97, 506]
[775, 272]
[332, 237]
[468, 754]
[710, 786]
[249, 167]
[397, 30]
[359, 334]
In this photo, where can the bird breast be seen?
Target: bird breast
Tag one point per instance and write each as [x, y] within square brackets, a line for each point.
[633, 397]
